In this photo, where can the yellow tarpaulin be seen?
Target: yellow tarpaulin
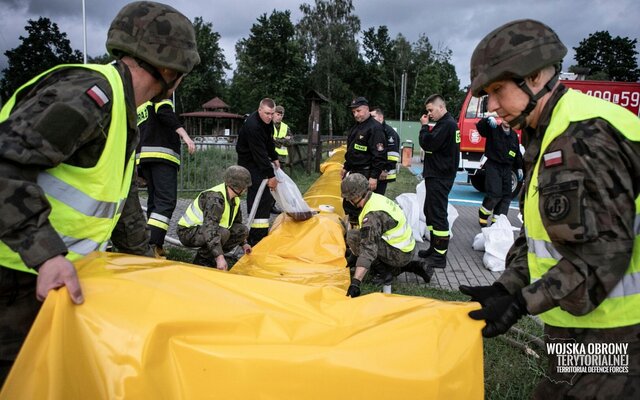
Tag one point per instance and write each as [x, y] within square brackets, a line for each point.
[153, 329]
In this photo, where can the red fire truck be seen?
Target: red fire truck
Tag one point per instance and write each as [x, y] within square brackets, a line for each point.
[472, 158]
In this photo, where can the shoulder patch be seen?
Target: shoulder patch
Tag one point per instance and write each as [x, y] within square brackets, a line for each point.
[98, 96]
[557, 206]
[380, 146]
[553, 158]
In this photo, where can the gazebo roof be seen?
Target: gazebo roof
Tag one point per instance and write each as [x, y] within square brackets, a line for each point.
[214, 104]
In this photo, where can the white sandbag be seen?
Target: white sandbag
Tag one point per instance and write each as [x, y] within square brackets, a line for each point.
[413, 206]
[478, 242]
[498, 239]
[289, 198]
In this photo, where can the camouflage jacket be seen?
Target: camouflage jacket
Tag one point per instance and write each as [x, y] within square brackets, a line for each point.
[595, 238]
[212, 206]
[374, 224]
[56, 121]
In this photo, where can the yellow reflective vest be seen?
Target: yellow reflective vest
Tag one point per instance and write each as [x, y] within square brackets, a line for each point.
[86, 203]
[400, 236]
[284, 128]
[622, 306]
[193, 216]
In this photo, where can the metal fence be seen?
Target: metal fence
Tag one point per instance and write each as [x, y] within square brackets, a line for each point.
[204, 168]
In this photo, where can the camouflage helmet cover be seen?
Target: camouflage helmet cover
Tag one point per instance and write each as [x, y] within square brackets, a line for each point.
[515, 50]
[354, 186]
[155, 33]
[237, 177]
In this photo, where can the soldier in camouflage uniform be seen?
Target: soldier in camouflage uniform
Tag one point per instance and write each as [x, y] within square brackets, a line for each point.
[575, 263]
[383, 238]
[67, 141]
[213, 222]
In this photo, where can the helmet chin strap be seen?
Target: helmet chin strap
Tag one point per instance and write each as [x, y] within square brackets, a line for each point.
[166, 86]
[520, 121]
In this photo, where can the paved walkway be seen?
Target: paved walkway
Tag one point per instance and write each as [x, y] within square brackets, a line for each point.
[464, 265]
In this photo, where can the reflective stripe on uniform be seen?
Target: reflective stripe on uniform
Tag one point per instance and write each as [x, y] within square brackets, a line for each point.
[159, 221]
[75, 198]
[159, 152]
[260, 223]
[393, 156]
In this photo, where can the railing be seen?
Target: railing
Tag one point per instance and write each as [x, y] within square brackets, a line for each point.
[204, 168]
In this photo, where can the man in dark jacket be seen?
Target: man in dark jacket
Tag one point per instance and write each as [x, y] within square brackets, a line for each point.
[441, 147]
[393, 152]
[256, 152]
[366, 151]
[503, 154]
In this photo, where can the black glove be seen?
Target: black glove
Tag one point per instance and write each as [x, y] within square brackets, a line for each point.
[354, 288]
[482, 293]
[500, 313]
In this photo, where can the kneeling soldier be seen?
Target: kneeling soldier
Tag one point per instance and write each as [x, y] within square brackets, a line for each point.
[213, 222]
[383, 236]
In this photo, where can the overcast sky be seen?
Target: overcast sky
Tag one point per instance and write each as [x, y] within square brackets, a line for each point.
[456, 24]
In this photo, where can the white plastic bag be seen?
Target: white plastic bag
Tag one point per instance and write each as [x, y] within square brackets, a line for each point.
[478, 242]
[289, 198]
[413, 206]
[498, 239]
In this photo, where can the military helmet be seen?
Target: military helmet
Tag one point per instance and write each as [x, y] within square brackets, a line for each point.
[354, 186]
[237, 177]
[155, 33]
[515, 50]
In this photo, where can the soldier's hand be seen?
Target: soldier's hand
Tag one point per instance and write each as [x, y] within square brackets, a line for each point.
[482, 293]
[221, 263]
[383, 176]
[492, 122]
[354, 288]
[500, 313]
[247, 248]
[55, 273]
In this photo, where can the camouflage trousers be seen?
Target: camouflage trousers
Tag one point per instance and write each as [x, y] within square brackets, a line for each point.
[18, 309]
[387, 254]
[198, 236]
[624, 385]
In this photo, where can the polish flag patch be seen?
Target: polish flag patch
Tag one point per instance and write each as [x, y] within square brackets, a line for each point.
[98, 96]
[553, 158]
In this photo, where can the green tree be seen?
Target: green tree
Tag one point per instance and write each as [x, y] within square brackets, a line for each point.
[102, 59]
[44, 47]
[270, 63]
[380, 82]
[207, 79]
[606, 57]
[328, 33]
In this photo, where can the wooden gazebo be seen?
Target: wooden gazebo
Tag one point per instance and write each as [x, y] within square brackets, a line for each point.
[214, 120]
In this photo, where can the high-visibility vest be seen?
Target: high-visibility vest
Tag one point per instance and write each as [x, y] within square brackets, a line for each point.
[400, 236]
[284, 128]
[622, 305]
[193, 216]
[157, 142]
[86, 203]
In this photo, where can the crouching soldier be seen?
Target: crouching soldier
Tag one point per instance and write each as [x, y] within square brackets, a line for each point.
[383, 238]
[213, 222]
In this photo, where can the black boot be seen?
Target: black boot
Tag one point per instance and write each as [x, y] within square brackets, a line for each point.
[421, 269]
[438, 259]
[425, 253]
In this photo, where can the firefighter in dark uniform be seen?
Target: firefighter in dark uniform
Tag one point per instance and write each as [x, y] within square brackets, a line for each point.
[158, 160]
[441, 147]
[389, 175]
[383, 237]
[213, 221]
[503, 155]
[257, 153]
[575, 263]
[67, 147]
[366, 151]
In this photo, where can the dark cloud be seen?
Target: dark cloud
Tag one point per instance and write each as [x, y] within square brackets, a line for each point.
[458, 25]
